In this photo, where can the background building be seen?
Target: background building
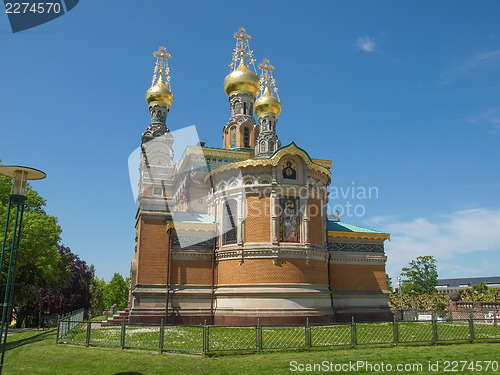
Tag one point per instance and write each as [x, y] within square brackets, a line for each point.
[446, 286]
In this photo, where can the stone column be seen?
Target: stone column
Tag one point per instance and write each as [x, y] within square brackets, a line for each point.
[241, 216]
[323, 222]
[305, 220]
[274, 219]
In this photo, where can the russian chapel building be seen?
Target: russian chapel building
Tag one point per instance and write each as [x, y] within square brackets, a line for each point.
[235, 233]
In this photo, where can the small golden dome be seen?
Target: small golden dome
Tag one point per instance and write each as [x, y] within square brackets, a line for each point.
[242, 79]
[267, 104]
[159, 92]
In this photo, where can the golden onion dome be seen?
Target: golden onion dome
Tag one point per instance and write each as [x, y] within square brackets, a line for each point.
[242, 79]
[159, 92]
[267, 104]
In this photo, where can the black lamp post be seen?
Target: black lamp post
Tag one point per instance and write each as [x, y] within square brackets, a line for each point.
[17, 198]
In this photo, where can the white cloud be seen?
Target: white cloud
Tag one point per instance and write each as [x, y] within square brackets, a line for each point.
[365, 44]
[489, 118]
[459, 70]
[452, 240]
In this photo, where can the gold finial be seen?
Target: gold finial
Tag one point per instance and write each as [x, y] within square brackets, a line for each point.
[266, 79]
[161, 66]
[242, 49]
[266, 68]
[334, 217]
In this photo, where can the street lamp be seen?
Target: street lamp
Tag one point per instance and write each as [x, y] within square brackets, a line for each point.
[17, 197]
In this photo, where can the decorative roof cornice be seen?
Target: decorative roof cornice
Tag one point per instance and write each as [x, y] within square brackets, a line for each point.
[191, 226]
[226, 153]
[273, 160]
[359, 235]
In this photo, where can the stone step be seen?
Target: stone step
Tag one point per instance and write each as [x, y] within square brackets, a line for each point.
[117, 319]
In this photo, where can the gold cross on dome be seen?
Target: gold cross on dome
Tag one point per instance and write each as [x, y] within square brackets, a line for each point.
[266, 68]
[161, 65]
[162, 53]
[242, 50]
[242, 34]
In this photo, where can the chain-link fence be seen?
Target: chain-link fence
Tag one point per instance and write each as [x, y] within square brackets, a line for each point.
[492, 316]
[212, 339]
[66, 323]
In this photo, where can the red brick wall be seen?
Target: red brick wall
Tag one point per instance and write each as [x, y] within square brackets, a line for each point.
[258, 220]
[315, 234]
[152, 253]
[262, 271]
[357, 277]
[191, 272]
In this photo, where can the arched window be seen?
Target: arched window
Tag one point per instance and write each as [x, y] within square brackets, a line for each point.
[246, 137]
[271, 146]
[229, 222]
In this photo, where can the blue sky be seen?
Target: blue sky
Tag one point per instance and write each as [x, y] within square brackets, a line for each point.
[401, 96]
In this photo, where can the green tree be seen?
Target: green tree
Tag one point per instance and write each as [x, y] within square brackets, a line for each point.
[421, 275]
[39, 262]
[97, 291]
[116, 292]
[388, 282]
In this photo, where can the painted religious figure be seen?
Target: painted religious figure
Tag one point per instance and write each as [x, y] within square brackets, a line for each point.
[289, 229]
[264, 125]
[289, 170]
[233, 137]
[237, 108]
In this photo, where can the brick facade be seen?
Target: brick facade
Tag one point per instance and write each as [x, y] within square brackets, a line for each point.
[315, 233]
[258, 220]
[357, 277]
[192, 272]
[264, 271]
[152, 251]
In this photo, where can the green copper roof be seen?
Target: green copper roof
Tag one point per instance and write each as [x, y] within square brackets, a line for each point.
[288, 145]
[339, 226]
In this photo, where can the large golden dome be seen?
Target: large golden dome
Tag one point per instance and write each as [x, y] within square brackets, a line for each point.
[159, 92]
[242, 79]
[267, 104]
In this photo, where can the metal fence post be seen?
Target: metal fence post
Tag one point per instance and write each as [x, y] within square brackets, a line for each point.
[434, 330]
[354, 339]
[471, 327]
[87, 337]
[122, 336]
[307, 332]
[258, 336]
[58, 329]
[205, 338]
[162, 336]
[395, 333]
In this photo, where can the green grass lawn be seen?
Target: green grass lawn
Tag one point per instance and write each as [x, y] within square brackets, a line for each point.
[36, 353]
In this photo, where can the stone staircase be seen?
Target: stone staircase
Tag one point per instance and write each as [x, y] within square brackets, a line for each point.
[117, 319]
